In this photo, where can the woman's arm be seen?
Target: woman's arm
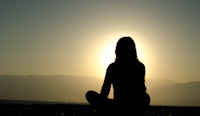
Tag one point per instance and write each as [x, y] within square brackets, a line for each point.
[107, 83]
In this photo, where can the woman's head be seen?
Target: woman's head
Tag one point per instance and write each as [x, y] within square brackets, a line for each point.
[125, 49]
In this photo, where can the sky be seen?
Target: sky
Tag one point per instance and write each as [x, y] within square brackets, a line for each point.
[78, 37]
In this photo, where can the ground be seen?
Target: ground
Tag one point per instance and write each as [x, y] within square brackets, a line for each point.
[82, 110]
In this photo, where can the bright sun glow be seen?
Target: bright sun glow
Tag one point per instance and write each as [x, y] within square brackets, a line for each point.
[108, 54]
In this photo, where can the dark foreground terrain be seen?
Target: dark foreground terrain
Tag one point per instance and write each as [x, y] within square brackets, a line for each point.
[85, 110]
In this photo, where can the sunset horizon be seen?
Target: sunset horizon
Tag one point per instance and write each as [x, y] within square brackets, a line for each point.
[64, 89]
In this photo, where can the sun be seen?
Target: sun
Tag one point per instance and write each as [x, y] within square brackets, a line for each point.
[108, 54]
[106, 50]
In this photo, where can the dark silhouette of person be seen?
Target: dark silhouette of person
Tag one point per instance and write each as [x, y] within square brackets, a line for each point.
[127, 77]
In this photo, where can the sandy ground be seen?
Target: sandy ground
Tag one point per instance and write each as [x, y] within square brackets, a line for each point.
[85, 110]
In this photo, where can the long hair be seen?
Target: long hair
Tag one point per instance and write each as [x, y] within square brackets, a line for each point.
[126, 49]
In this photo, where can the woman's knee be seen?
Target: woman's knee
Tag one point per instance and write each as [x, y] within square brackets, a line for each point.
[92, 96]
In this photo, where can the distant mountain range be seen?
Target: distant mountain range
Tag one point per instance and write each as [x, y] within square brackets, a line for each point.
[72, 89]
[54, 88]
[174, 93]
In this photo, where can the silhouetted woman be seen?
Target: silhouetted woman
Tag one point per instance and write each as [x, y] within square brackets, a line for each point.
[127, 76]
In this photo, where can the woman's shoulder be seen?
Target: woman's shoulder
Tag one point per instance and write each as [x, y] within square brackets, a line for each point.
[117, 64]
[141, 65]
[111, 65]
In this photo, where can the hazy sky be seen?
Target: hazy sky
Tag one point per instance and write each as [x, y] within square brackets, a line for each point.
[72, 37]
